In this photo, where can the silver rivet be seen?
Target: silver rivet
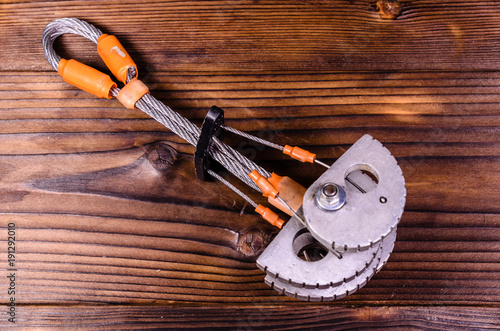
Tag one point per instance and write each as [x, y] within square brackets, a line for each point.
[330, 197]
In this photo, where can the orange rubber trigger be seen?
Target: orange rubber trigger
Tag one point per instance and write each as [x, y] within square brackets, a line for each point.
[290, 191]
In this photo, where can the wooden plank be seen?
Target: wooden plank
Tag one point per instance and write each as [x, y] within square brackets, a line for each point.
[258, 318]
[173, 252]
[425, 121]
[267, 35]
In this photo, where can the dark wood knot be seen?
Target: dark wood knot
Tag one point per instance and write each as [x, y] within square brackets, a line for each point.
[162, 156]
[253, 242]
[389, 9]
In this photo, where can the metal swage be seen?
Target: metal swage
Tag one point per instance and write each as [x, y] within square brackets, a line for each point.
[229, 158]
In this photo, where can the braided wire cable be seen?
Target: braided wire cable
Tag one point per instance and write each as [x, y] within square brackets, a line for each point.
[232, 160]
[222, 153]
[254, 138]
[62, 26]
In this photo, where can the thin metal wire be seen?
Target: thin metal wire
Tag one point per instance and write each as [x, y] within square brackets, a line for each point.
[254, 138]
[294, 213]
[264, 142]
[322, 163]
[232, 187]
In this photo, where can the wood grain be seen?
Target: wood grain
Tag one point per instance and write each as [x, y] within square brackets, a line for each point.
[311, 35]
[107, 241]
[262, 318]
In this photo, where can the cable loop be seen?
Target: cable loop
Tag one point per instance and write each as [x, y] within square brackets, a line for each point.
[62, 26]
[80, 75]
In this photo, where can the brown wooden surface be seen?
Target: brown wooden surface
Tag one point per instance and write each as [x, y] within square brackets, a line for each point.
[98, 222]
[262, 318]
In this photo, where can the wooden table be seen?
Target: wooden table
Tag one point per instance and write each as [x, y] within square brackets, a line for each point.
[112, 228]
